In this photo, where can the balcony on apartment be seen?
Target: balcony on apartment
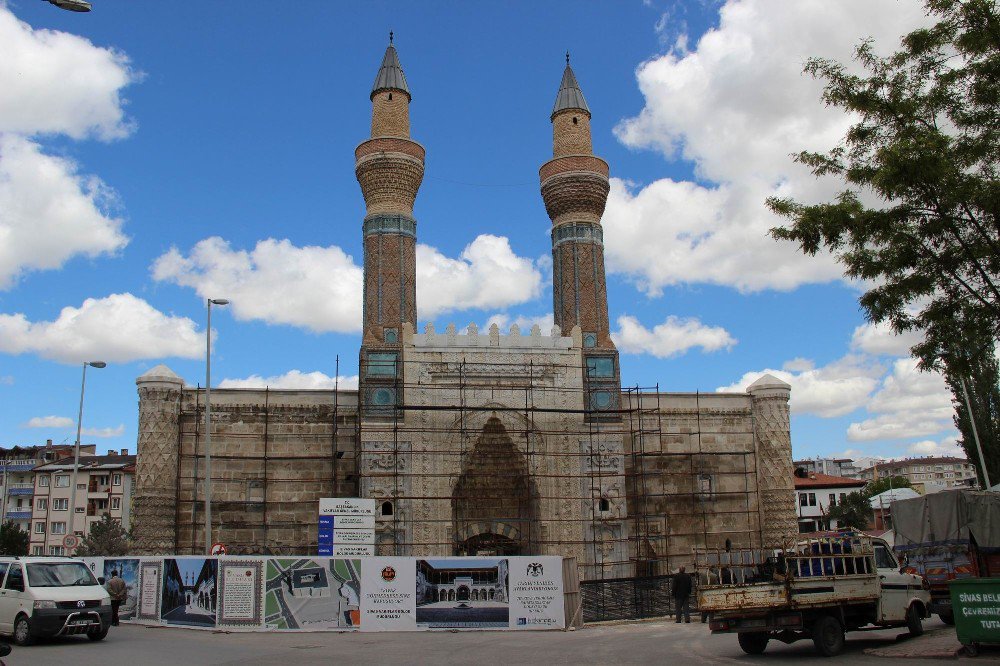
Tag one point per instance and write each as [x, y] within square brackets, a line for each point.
[18, 515]
[21, 489]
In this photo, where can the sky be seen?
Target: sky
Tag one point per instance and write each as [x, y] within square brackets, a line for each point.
[153, 155]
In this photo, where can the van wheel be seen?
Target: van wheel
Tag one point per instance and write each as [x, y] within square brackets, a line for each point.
[753, 642]
[913, 620]
[22, 631]
[98, 634]
[828, 636]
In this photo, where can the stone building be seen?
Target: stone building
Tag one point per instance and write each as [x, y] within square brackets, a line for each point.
[475, 442]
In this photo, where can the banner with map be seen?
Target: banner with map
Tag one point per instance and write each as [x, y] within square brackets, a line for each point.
[246, 593]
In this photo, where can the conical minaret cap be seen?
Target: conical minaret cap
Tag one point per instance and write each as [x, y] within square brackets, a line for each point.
[569, 96]
[390, 74]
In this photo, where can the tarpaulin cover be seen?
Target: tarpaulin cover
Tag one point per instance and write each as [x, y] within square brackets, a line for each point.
[948, 517]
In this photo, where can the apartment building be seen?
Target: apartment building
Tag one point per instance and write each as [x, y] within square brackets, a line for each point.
[843, 467]
[17, 485]
[816, 494]
[104, 486]
[927, 475]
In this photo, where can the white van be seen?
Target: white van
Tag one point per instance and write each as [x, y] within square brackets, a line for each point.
[51, 596]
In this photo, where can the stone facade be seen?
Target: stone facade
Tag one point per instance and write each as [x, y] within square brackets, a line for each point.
[474, 442]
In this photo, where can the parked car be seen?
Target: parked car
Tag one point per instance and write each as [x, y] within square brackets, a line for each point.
[51, 596]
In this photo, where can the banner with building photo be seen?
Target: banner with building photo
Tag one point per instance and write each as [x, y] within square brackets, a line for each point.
[536, 593]
[312, 594]
[462, 593]
[388, 594]
[240, 587]
[128, 570]
[189, 593]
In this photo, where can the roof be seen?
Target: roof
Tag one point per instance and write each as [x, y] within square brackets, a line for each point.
[92, 463]
[570, 96]
[884, 499]
[929, 460]
[390, 75]
[815, 480]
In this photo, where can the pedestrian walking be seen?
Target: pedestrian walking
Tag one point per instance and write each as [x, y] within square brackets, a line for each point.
[118, 590]
[681, 588]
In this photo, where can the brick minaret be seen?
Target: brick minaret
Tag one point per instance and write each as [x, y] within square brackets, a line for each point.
[575, 189]
[389, 167]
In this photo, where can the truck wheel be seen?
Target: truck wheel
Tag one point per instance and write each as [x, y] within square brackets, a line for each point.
[22, 631]
[948, 617]
[913, 620]
[753, 642]
[828, 636]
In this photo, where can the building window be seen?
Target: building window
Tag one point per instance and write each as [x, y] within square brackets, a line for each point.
[589, 340]
[803, 500]
[602, 367]
[843, 496]
[41, 504]
[117, 479]
[833, 499]
[43, 481]
[59, 528]
[390, 335]
[37, 550]
[387, 509]
[604, 505]
[60, 504]
[812, 499]
[116, 503]
[56, 551]
[39, 528]
[62, 481]
[81, 486]
[382, 364]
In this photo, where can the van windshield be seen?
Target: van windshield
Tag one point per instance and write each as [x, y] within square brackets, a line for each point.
[59, 574]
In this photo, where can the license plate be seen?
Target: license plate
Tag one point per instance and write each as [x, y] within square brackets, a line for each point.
[79, 623]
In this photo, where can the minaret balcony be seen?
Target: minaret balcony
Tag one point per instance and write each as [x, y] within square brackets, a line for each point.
[567, 163]
[391, 144]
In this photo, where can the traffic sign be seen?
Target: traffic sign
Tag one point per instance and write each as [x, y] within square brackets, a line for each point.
[218, 549]
[71, 541]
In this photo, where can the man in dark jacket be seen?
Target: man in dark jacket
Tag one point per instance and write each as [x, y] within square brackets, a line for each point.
[682, 595]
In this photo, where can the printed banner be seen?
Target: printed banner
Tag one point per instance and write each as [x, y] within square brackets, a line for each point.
[189, 591]
[240, 585]
[128, 570]
[150, 577]
[388, 600]
[462, 593]
[536, 593]
[312, 594]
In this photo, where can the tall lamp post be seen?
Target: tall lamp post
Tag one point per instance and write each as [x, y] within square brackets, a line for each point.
[208, 422]
[76, 449]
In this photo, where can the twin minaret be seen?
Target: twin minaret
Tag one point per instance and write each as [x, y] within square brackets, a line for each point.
[390, 167]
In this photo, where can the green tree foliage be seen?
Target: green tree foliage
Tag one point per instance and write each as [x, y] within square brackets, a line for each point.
[884, 484]
[927, 146]
[107, 538]
[984, 394]
[853, 512]
[13, 540]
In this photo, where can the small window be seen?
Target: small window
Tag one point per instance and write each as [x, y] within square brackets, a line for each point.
[602, 367]
[575, 120]
[390, 97]
[15, 578]
[39, 528]
[62, 481]
[833, 499]
[382, 364]
[118, 479]
[36, 550]
[590, 340]
[812, 499]
[383, 397]
[41, 504]
[59, 528]
[43, 481]
[601, 400]
[387, 509]
[116, 503]
[604, 504]
[60, 504]
[390, 335]
[56, 551]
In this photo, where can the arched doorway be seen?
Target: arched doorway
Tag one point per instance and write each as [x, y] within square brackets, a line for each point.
[495, 502]
[463, 593]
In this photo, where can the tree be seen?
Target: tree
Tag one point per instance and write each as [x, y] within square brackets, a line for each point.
[853, 512]
[107, 538]
[927, 147]
[884, 484]
[984, 394]
[13, 540]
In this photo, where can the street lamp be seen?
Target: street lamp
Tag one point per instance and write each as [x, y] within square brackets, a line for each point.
[76, 451]
[208, 422]
[71, 5]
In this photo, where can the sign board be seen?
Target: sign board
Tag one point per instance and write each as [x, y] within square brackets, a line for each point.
[218, 549]
[71, 541]
[346, 521]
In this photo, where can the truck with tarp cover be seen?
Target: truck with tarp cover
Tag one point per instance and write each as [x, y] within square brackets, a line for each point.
[816, 588]
[946, 536]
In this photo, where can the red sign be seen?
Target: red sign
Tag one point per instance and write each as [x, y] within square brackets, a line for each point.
[218, 549]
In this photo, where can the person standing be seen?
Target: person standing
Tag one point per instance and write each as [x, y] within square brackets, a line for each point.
[118, 591]
[681, 588]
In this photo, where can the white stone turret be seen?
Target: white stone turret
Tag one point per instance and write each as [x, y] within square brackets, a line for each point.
[775, 480]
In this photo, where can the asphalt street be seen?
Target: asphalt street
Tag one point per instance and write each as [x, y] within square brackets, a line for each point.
[638, 643]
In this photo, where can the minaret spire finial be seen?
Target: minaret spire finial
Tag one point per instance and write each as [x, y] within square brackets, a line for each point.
[567, 58]
[390, 39]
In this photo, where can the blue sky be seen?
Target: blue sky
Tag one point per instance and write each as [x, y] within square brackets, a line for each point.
[155, 153]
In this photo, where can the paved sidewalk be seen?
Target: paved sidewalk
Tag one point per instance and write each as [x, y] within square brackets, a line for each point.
[937, 643]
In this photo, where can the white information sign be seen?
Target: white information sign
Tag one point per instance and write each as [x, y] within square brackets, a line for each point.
[388, 600]
[536, 593]
[346, 506]
[353, 550]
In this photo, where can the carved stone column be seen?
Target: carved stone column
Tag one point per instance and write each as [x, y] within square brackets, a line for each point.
[154, 513]
[775, 479]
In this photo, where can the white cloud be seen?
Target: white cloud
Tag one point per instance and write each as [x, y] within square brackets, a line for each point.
[673, 337]
[828, 391]
[50, 213]
[736, 105]
[49, 422]
[57, 83]
[948, 446]
[879, 339]
[910, 403]
[320, 288]
[104, 432]
[798, 365]
[487, 274]
[504, 321]
[293, 379]
[7, 380]
[118, 328]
